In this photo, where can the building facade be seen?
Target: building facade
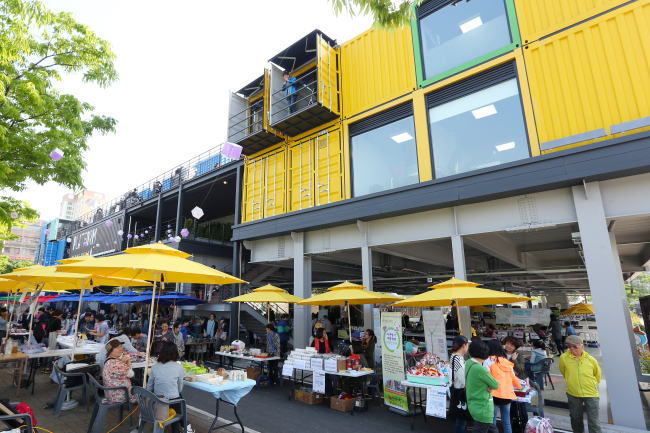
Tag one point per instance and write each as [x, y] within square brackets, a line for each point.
[75, 205]
[24, 248]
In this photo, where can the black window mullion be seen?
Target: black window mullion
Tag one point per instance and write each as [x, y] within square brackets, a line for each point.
[384, 118]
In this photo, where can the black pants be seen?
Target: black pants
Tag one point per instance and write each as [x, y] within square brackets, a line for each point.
[273, 371]
[283, 348]
[482, 427]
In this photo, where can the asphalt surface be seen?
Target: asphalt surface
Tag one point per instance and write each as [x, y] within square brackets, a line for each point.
[268, 410]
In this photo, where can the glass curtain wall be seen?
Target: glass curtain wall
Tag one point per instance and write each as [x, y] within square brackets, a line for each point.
[482, 129]
[384, 158]
[462, 32]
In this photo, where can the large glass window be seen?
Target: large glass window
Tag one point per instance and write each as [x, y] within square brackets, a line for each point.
[482, 129]
[462, 32]
[384, 158]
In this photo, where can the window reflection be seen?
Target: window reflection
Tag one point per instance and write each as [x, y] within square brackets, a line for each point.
[483, 129]
[455, 35]
[384, 158]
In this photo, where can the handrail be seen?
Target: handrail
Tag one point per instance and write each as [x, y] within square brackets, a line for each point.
[301, 77]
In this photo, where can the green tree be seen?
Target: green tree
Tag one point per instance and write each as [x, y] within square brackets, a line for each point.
[37, 49]
[386, 13]
[8, 265]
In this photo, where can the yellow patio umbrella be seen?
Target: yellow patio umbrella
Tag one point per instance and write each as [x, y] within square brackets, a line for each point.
[154, 262]
[459, 293]
[580, 308]
[481, 309]
[348, 293]
[267, 295]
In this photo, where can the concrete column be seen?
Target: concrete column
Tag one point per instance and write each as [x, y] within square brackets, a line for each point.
[301, 288]
[366, 269]
[461, 273]
[235, 306]
[156, 236]
[179, 211]
[610, 306]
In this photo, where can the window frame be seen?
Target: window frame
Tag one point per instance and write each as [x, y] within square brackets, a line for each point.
[388, 116]
[417, 44]
[464, 88]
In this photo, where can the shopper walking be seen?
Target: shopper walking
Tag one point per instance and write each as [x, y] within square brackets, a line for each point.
[556, 333]
[503, 371]
[478, 383]
[457, 360]
[582, 374]
[285, 334]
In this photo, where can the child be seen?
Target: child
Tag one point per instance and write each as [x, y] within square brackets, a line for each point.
[537, 355]
[139, 340]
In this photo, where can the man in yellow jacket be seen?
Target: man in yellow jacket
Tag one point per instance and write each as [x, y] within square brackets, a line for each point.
[582, 374]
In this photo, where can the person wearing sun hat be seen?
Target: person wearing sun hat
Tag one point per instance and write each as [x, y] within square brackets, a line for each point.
[117, 372]
[582, 374]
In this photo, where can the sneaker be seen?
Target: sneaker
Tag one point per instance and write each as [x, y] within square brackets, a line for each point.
[46, 370]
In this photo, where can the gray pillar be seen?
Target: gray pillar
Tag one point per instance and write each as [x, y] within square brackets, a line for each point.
[610, 306]
[235, 306]
[461, 273]
[238, 200]
[156, 236]
[366, 270]
[302, 289]
[179, 211]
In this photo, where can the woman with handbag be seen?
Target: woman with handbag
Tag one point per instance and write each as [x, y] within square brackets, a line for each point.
[458, 404]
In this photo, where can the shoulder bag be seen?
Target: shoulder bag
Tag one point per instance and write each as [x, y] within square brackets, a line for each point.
[458, 404]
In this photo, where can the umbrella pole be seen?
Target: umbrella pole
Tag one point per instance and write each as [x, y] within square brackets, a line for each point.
[268, 313]
[32, 310]
[151, 324]
[76, 324]
[458, 315]
[349, 323]
[13, 309]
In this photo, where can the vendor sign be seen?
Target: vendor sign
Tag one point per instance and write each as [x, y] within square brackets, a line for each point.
[435, 333]
[437, 401]
[393, 360]
[523, 316]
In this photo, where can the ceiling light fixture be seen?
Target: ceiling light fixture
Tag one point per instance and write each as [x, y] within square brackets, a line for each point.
[506, 146]
[400, 138]
[225, 182]
[484, 112]
[471, 25]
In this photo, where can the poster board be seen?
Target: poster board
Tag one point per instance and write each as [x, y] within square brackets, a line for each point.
[523, 316]
[319, 382]
[435, 333]
[393, 361]
[437, 401]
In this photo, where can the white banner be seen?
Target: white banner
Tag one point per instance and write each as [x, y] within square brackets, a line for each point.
[435, 333]
[523, 316]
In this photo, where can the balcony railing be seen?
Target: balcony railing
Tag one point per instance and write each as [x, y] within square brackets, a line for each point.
[250, 124]
[195, 167]
[305, 95]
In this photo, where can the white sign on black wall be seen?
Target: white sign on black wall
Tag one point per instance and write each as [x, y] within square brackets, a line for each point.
[98, 239]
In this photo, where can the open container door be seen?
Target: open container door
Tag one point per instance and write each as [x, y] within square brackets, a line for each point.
[328, 73]
[237, 114]
[279, 108]
[328, 167]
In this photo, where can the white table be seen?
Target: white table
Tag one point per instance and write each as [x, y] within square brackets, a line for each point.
[250, 358]
[422, 403]
[90, 347]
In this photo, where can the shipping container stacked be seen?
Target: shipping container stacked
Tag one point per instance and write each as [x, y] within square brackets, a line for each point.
[469, 86]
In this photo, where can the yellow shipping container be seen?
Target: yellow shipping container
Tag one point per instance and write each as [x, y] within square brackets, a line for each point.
[377, 66]
[538, 18]
[591, 76]
[264, 185]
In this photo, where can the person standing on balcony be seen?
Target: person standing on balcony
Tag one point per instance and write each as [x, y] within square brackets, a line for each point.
[290, 91]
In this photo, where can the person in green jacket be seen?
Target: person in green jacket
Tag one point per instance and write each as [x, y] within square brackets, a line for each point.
[582, 374]
[478, 385]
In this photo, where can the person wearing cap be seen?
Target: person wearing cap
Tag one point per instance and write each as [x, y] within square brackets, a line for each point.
[223, 325]
[117, 372]
[582, 374]
[124, 337]
[457, 361]
[284, 330]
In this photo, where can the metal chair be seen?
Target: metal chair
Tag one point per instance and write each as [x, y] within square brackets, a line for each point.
[539, 409]
[22, 419]
[100, 409]
[64, 390]
[545, 372]
[146, 399]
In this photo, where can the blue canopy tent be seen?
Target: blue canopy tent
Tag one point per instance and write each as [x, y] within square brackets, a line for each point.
[122, 298]
[179, 299]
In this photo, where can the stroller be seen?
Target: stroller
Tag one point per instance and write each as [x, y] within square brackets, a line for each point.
[544, 335]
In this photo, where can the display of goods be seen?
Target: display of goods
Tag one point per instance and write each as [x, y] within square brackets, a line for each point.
[429, 370]
[262, 355]
[238, 345]
[255, 351]
[237, 375]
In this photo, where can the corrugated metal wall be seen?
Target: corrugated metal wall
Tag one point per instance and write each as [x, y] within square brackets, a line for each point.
[592, 76]
[376, 66]
[538, 18]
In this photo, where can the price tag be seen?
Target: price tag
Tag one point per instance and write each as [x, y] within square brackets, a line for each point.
[317, 364]
[331, 365]
[287, 370]
[319, 382]
[299, 365]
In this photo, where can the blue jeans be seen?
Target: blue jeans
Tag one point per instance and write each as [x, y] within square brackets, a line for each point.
[291, 100]
[461, 425]
[505, 417]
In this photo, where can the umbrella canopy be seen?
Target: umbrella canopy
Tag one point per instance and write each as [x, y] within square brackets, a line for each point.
[75, 259]
[165, 263]
[349, 293]
[580, 308]
[13, 286]
[481, 309]
[43, 274]
[461, 294]
[122, 298]
[267, 294]
[180, 299]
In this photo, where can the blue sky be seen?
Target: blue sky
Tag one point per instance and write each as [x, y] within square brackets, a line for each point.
[177, 62]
